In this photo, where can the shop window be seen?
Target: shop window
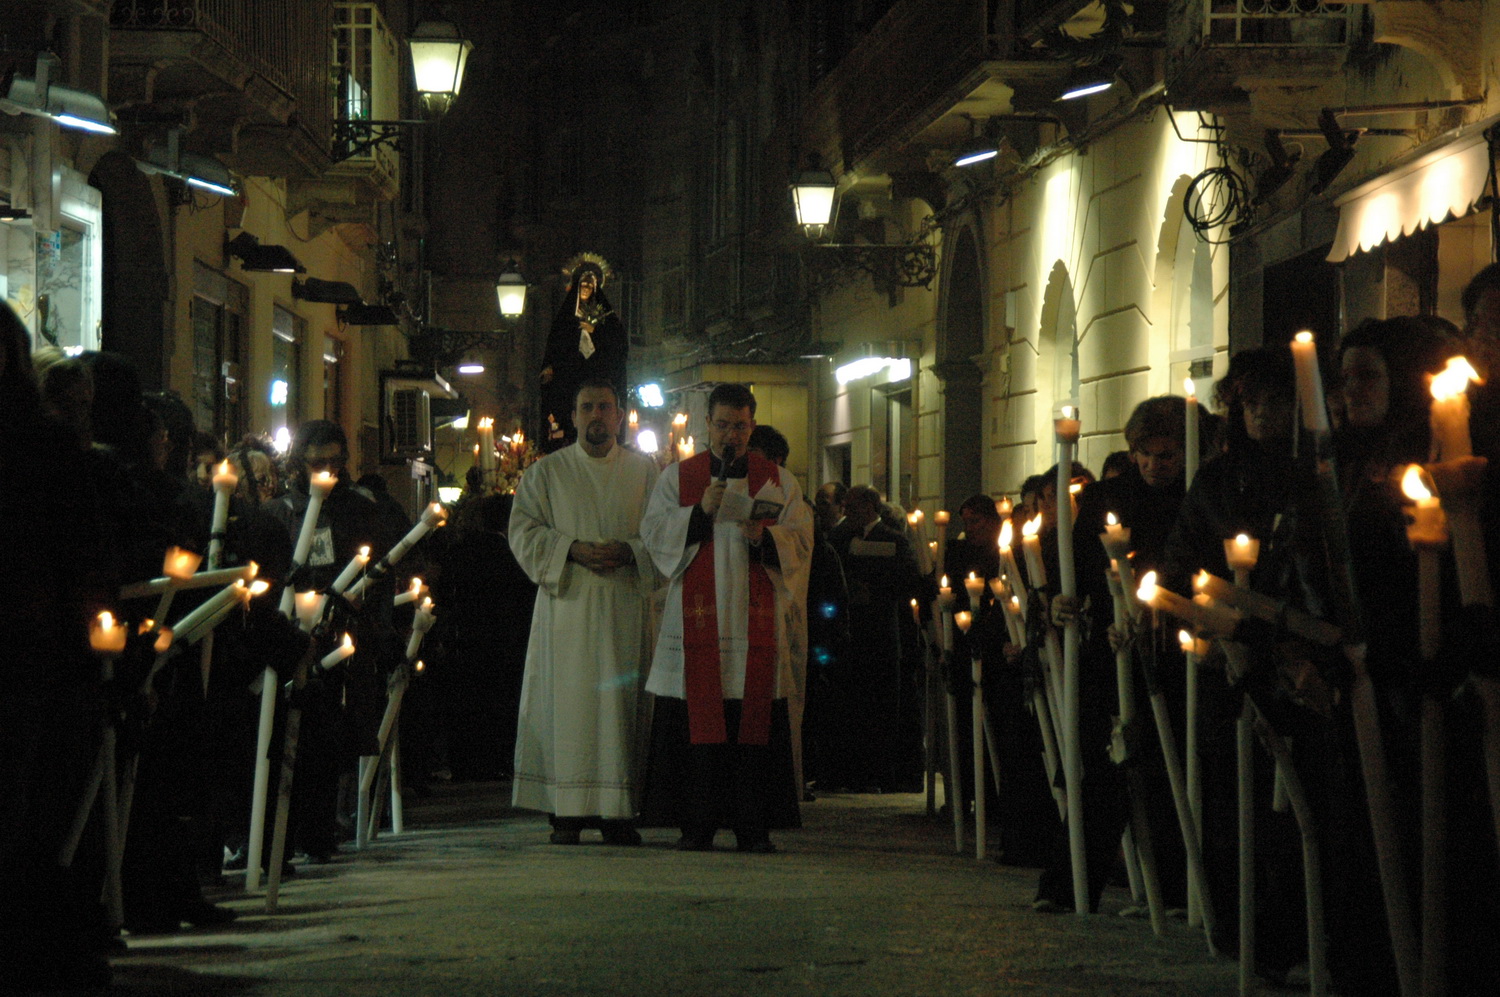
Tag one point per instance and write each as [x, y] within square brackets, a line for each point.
[52, 278]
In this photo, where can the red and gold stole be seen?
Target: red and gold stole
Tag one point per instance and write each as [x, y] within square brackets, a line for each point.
[702, 677]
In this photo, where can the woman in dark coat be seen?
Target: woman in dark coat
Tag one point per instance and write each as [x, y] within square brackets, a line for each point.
[587, 339]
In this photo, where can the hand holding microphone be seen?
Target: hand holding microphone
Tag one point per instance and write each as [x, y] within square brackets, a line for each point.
[713, 495]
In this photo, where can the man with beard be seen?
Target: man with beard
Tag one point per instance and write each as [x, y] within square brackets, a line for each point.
[575, 530]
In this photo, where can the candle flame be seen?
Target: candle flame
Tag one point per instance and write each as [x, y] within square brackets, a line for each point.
[1185, 639]
[1200, 580]
[634, 417]
[973, 577]
[1454, 379]
[1004, 506]
[1148, 587]
[1242, 540]
[106, 620]
[486, 423]
[1412, 484]
[419, 666]
[1007, 534]
[1111, 519]
[1304, 336]
[1015, 602]
[962, 619]
[519, 438]
[932, 545]
[259, 587]
[1068, 412]
[253, 568]
[416, 585]
[348, 643]
[1188, 387]
[179, 563]
[912, 519]
[365, 552]
[944, 583]
[163, 640]
[323, 477]
[1075, 488]
[1031, 527]
[919, 514]
[145, 626]
[427, 604]
[914, 604]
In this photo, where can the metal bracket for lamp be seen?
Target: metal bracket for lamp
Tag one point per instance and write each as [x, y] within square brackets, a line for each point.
[912, 264]
[357, 138]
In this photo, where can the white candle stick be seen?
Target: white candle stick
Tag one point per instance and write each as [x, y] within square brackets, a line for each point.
[354, 567]
[203, 579]
[188, 627]
[945, 604]
[974, 585]
[318, 487]
[204, 629]
[1242, 553]
[413, 593]
[225, 481]
[1031, 547]
[1428, 535]
[309, 609]
[421, 622]
[1450, 410]
[1309, 383]
[107, 635]
[1068, 428]
[332, 658]
[433, 515]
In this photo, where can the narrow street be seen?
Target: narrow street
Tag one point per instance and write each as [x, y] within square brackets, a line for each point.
[867, 899]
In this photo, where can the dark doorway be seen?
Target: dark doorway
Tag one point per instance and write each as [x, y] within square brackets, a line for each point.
[1301, 293]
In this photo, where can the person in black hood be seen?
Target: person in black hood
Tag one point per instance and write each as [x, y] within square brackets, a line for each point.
[587, 339]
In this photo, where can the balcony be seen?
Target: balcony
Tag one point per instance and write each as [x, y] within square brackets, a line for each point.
[250, 80]
[1220, 51]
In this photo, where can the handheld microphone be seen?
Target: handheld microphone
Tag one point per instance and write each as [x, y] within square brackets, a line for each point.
[727, 459]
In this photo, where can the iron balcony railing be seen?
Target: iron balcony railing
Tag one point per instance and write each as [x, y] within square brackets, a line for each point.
[1279, 23]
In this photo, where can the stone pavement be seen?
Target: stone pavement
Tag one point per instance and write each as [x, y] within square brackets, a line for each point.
[867, 899]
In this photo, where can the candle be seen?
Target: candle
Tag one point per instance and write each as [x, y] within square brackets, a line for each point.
[418, 667]
[945, 593]
[199, 621]
[413, 592]
[322, 483]
[179, 564]
[1031, 547]
[1242, 552]
[1309, 383]
[1067, 425]
[1263, 607]
[486, 431]
[225, 478]
[163, 640]
[1191, 644]
[963, 619]
[916, 614]
[339, 653]
[998, 588]
[318, 487]
[1004, 507]
[1157, 597]
[106, 635]
[941, 517]
[434, 515]
[355, 566]
[309, 606]
[685, 448]
[202, 579]
[1008, 555]
[633, 420]
[1428, 535]
[421, 622]
[1450, 410]
[1461, 482]
[975, 586]
[1190, 431]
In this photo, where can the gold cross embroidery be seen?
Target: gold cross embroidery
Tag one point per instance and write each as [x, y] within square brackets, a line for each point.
[700, 611]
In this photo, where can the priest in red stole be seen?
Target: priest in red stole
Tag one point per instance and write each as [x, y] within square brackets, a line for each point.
[729, 529]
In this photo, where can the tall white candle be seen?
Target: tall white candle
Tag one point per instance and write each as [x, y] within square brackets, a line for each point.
[434, 515]
[225, 481]
[1450, 410]
[421, 622]
[318, 487]
[309, 609]
[339, 653]
[1309, 383]
[1428, 535]
[355, 566]
[1031, 547]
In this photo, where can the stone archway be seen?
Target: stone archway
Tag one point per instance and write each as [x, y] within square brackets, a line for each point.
[960, 339]
[136, 285]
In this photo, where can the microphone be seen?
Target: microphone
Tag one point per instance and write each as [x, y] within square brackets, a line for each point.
[725, 461]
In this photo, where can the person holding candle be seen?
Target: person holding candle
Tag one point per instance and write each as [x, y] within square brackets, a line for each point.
[343, 706]
[576, 531]
[1144, 499]
[727, 529]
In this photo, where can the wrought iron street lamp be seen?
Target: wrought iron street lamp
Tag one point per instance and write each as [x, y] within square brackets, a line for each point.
[438, 56]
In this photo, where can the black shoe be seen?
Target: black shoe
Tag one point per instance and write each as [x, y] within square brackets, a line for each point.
[619, 832]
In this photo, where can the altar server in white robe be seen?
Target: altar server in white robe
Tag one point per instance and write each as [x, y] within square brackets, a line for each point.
[731, 532]
[575, 529]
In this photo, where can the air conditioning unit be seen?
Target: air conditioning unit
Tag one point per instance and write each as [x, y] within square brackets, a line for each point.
[407, 414]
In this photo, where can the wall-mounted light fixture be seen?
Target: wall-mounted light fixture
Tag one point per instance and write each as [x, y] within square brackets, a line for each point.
[899, 367]
[260, 258]
[1271, 179]
[1085, 81]
[439, 54]
[815, 201]
[203, 173]
[41, 97]
[330, 292]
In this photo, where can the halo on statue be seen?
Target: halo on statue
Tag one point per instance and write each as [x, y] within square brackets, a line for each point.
[588, 261]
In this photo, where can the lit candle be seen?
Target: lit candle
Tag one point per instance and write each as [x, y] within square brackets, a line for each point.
[634, 419]
[309, 609]
[207, 615]
[412, 593]
[1461, 482]
[421, 622]
[916, 614]
[339, 653]
[963, 619]
[1067, 425]
[225, 481]
[225, 478]
[318, 487]
[941, 517]
[1309, 383]
[1242, 552]
[1263, 607]
[1191, 644]
[1116, 538]
[179, 564]
[199, 580]
[355, 566]
[1004, 507]
[998, 588]
[1190, 431]
[1008, 554]
[945, 593]
[433, 516]
[1428, 535]
[1031, 547]
[486, 431]
[1450, 410]
[685, 448]
[975, 586]
[1157, 597]
[106, 635]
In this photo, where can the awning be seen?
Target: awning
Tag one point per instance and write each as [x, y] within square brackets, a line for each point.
[1445, 182]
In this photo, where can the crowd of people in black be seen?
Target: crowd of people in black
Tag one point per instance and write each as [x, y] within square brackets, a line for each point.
[98, 479]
